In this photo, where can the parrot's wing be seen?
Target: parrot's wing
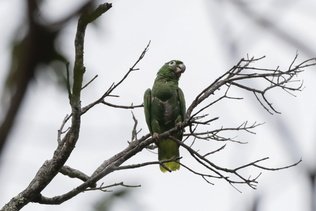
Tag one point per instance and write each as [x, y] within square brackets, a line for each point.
[182, 103]
[147, 108]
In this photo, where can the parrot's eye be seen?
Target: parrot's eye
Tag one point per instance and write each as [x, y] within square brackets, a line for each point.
[172, 63]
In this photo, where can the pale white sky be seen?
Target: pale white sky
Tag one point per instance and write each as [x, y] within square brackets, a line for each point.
[209, 36]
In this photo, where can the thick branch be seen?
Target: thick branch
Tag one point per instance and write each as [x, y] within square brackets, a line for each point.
[109, 166]
[74, 173]
[65, 146]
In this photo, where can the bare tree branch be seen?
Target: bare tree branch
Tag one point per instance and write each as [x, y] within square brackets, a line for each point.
[74, 173]
[105, 188]
[87, 84]
[51, 167]
[232, 176]
[133, 166]
[244, 71]
[114, 86]
[122, 106]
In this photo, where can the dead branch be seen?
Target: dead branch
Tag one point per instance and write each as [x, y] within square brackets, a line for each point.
[237, 77]
[232, 176]
[214, 134]
[109, 91]
[106, 188]
[74, 173]
[87, 84]
[50, 168]
[121, 106]
[243, 70]
[138, 165]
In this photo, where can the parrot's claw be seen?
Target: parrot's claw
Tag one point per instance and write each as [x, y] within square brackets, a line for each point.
[155, 137]
[179, 126]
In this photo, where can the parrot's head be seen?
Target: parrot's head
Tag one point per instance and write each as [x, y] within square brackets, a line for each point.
[172, 70]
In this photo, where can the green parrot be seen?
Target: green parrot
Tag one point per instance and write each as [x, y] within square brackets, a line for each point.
[164, 107]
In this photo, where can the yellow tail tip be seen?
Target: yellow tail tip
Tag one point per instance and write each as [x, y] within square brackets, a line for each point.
[169, 166]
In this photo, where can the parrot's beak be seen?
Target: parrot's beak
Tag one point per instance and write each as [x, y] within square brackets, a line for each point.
[180, 69]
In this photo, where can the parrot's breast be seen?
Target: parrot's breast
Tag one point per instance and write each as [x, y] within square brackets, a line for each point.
[164, 94]
[165, 104]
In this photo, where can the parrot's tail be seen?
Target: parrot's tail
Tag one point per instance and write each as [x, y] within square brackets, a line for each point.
[170, 166]
[168, 150]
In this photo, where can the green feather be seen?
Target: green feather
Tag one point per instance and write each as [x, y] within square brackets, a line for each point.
[164, 108]
[168, 149]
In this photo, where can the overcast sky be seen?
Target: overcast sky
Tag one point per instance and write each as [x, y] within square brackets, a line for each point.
[209, 36]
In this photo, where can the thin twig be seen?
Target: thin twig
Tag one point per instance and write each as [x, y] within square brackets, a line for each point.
[87, 84]
[115, 85]
[122, 106]
[105, 188]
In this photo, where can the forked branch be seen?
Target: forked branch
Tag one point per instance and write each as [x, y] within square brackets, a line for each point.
[250, 78]
[266, 79]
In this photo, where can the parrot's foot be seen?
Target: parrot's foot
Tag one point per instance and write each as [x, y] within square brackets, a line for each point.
[179, 126]
[155, 137]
